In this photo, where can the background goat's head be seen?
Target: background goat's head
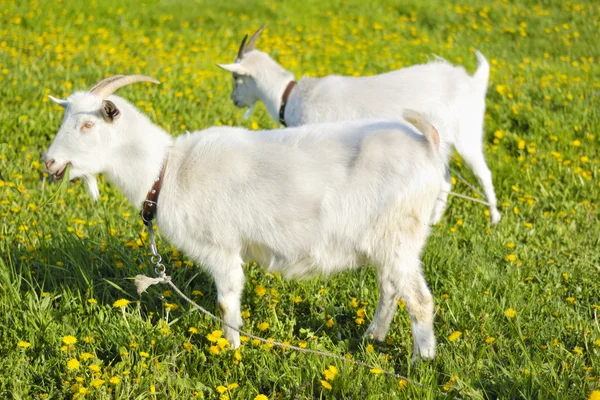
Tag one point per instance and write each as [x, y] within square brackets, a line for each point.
[88, 131]
[253, 72]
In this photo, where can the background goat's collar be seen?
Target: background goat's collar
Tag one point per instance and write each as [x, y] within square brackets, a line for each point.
[284, 99]
[150, 204]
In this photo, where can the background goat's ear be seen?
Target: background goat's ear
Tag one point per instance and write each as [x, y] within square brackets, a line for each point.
[62, 103]
[235, 68]
[110, 112]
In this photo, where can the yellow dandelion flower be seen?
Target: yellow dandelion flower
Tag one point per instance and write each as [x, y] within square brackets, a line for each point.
[263, 326]
[232, 386]
[115, 380]
[73, 364]
[95, 368]
[245, 314]
[121, 303]
[330, 323]
[376, 371]
[221, 389]
[188, 346]
[510, 257]
[92, 301]
[570, 300]
[510, 313]
[97, 382]
[143, 354]
[594, 395]
[490, 340]
[576, 143]
[193, 331]
[454, 336]
[86, 356]
[260, 290]
[359, 321]
[214, 350]
[69, 339]
[402, 384]
[304, 344]
[326, 384]
[578, 350]
[330, 373]
[214, 335]
[370, 348]
[597, 343]
[24, 344]
[222, 343]
[261, 397]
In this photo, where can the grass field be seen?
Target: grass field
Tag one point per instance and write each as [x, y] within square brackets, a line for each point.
[516, 304]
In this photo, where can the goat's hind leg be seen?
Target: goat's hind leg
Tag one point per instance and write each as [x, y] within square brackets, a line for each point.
[442, 200]
[404, 279]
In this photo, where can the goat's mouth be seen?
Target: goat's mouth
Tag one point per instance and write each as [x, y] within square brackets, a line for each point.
[58, 175]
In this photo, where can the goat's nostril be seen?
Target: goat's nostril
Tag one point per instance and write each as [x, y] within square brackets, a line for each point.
[49, 163]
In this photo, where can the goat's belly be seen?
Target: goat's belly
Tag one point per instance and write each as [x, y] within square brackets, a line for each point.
[304, 266]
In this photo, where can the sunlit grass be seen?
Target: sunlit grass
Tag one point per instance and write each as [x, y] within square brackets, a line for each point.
[516, 305]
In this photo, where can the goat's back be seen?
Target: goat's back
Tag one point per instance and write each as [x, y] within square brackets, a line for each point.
[437, 88]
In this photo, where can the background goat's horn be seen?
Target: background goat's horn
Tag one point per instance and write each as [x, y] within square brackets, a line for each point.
[108, 86]
[241, 51]
[252, 40]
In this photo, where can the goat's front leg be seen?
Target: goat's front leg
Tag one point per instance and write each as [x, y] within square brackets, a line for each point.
[229, 280]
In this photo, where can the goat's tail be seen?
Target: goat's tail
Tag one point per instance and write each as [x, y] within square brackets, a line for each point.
[424, 126]
[482, 75]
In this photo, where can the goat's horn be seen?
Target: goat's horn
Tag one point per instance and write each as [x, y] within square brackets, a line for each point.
[108, 86]
[241, 50]
[252, 40]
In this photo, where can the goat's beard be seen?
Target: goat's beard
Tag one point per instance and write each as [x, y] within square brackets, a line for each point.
[92, 185]
[249, 111]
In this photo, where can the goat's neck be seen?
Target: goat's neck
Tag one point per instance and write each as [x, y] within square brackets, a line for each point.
[139, 158]
[271, 85]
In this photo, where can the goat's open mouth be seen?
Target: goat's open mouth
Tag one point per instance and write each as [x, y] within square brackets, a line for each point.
[58, 175]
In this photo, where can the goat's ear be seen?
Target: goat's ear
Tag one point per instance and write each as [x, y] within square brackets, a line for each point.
[235, 68]
[110, 112]
[62, 103]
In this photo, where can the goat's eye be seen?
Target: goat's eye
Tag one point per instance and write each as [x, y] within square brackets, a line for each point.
[87, 126]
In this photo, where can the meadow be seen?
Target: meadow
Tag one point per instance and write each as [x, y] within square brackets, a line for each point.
[517, 304]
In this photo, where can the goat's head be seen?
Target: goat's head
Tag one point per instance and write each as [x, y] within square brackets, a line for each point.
[244, 69]
[88, 130]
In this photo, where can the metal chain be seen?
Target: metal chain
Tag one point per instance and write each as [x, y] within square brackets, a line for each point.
[156, 258]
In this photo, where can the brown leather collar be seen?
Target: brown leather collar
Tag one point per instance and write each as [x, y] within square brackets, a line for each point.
[284, 99]
[150, 204]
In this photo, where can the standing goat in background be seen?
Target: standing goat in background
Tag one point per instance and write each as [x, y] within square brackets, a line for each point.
[427, 88]
[303, 201]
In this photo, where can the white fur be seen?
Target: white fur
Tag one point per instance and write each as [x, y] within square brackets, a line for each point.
[302, 201]
[427, 88]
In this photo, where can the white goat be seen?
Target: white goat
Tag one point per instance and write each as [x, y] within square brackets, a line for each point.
[302, 201]
[424, 88]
